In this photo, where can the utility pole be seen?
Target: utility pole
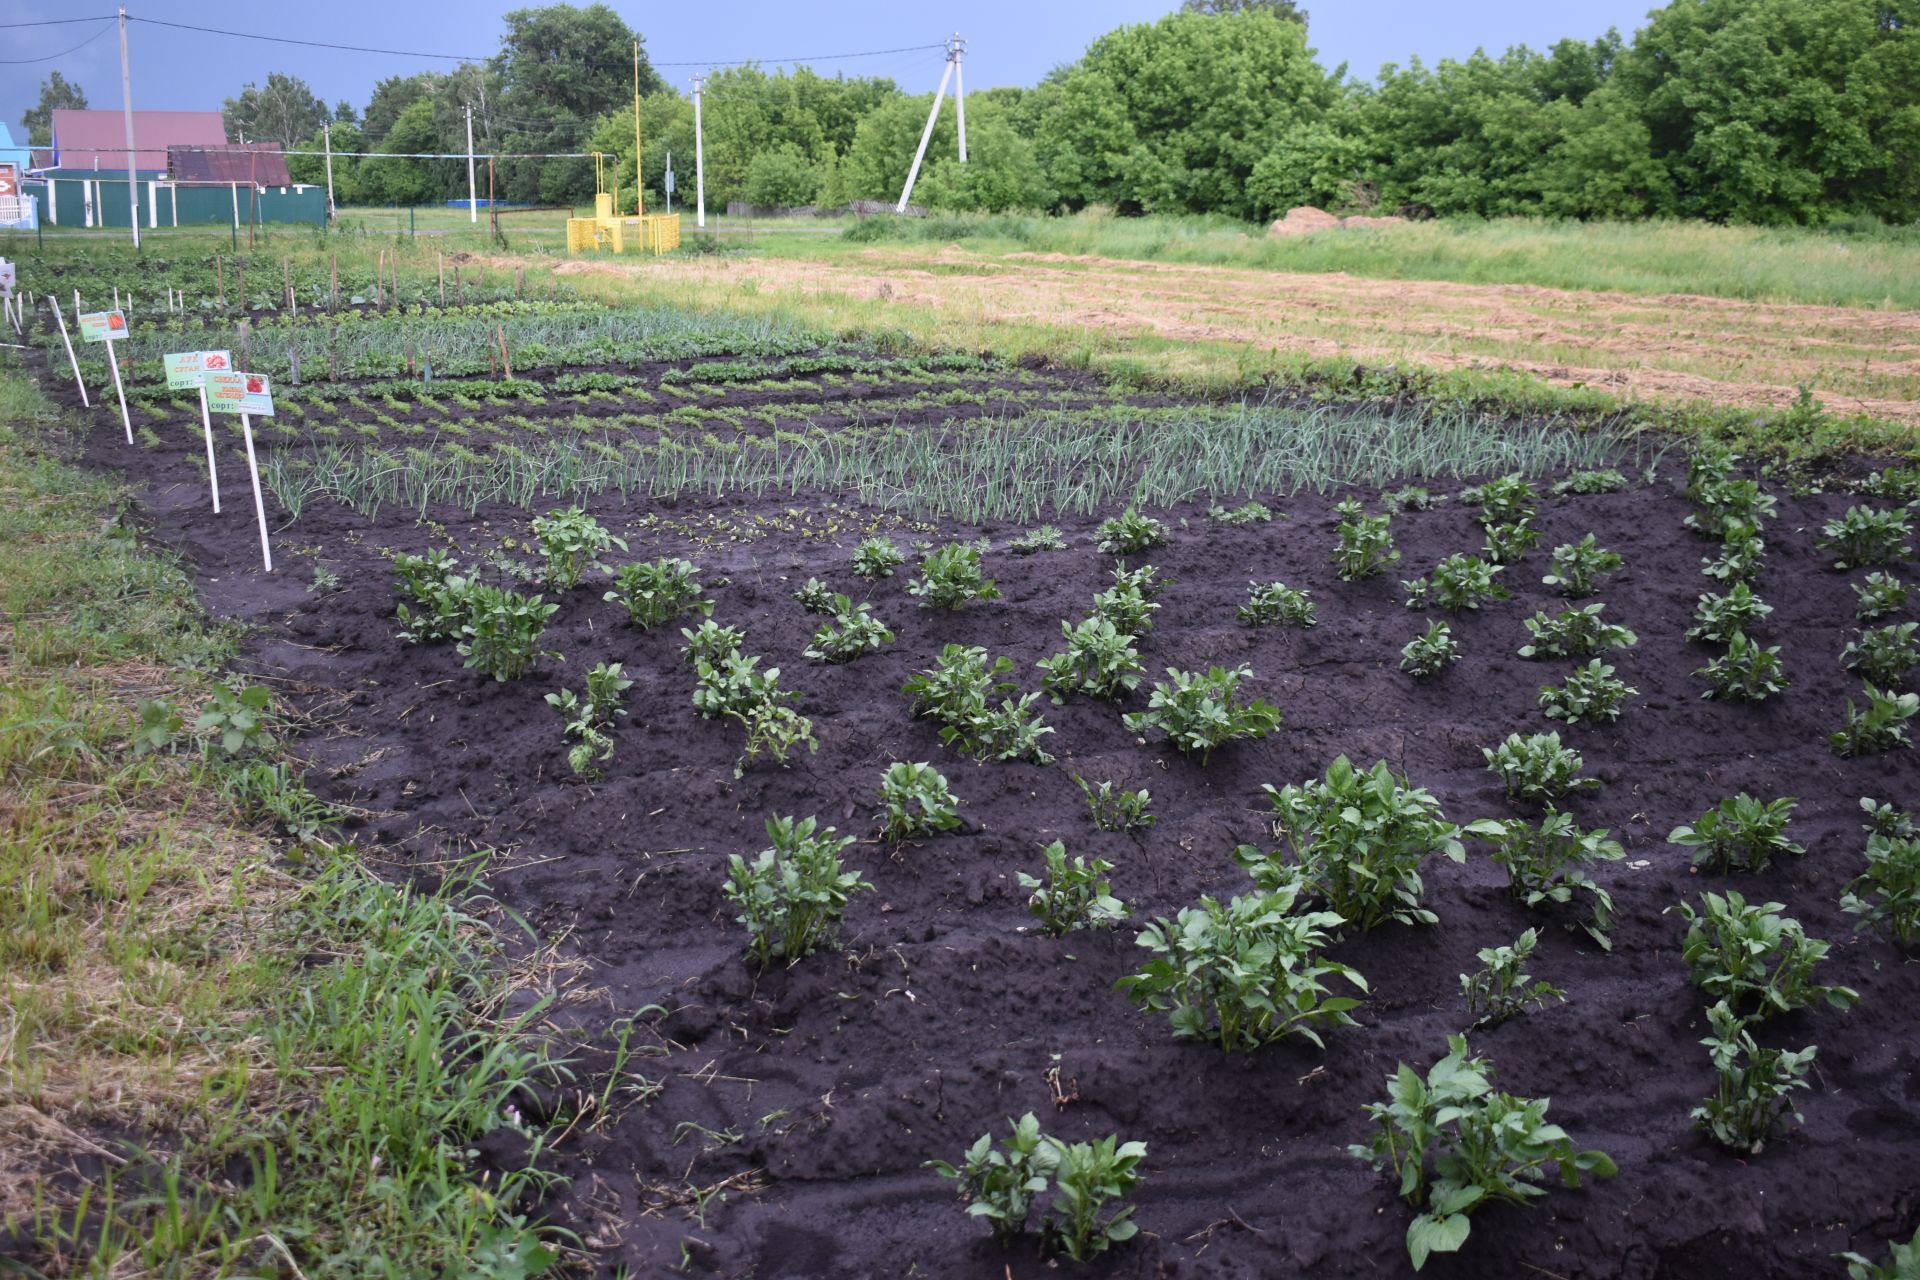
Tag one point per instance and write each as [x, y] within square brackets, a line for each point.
[639, 180]
[699, 156]
[955, 48]
[133, 157]
[326, 131]
[473, 189]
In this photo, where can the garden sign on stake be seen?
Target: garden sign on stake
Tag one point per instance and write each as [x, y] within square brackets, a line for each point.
[73, 360]
[109, 327]
[245, 394]
[189, 369]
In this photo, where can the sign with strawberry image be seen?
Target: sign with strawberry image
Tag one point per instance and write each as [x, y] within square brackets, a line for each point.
[240, 393]
[185, 369]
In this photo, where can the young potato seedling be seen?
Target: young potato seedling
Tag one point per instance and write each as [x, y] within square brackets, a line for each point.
[1746, 672]
[1507, 500]
[1509, 543]
[1887, 894]
[1742, 554]
[569, 539]
[1590, 693]
[1719, 618]
[1753, 1086]
[1365, 543]
[1536, 769]
[1428, 655]
[1754, 958]
[1276, 602]
[1241, 516]
[1579, 566]
[1867, 535]
[1740, 834]
[852, 633]
[1546, 863]
[658, 592]
[1099, 661]
[1498, 990]
[918, 801]
[950, 576]
[1724, 503]
[1074, 895]
[1116, 810]
[1879, 594]
[1200, 713]
[792, 896]
[501, 632]
[1883, 655]
[815, 596]
[876, 558]
[1129, 533]
[1575, 633]
[1881, 725]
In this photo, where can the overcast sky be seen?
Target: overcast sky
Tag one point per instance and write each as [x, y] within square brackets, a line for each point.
[1009, 41]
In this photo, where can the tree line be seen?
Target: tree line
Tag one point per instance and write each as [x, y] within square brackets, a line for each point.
[1757, 111]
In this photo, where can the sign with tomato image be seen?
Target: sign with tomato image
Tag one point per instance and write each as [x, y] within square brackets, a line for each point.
[240, 393]
[103, 326]
[185, 369]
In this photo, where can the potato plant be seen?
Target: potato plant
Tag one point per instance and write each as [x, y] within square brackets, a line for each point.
[1574, 633]
[876, 558]
[1485, 1147]
[658, 592]
[1004, 1185]
[1199, 713]
[1536, 769]
[1740, 833]
[1269, 603]
[434, 584]
[1903, 1262]
[1721, 504]
[1589, 693]
[958, 691]
[1506, 500]
[1130, 603]
[1879, 725]
[815, 596]
[1099, 661]
[501, 632]
[917, 801]
[852, 632]
[1579, 566]
[1867, 535]
[711, 643]
[1547, 863]
[1356, 838]
[950, 576]
[1746, 672]
[1709, 467]
[774, 729]
[1129, 533]
[1498, 990]
[1742, 554]
[1883, 655]
[1458, 583]
[1753, 1086]
[1365, 543]
[1001, 1184]
[1247, 514]
[1509, 543]
[1244, 973]
[1591, 482]
[1719, 618]
[1035, 541]
[734, 684]
[1116, 809]
[1074, 895]
[792, 896]
[1411, 497]
[589, 717]
[1887, 894]
[1429, 654]
[1878, 595]
[1754, 958]
[570, 538]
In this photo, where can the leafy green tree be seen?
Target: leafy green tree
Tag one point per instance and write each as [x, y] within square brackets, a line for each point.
[559, 70]
[1286, 10]
[404, 181]
[56, 93]
[781, 177]
[282, 111]
[390, 97]
[1174, 115]
[346, 170]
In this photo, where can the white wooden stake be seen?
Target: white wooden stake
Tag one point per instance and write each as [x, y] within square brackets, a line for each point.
[71, 359]
[259, 504]
[114, 360]
[213, 469]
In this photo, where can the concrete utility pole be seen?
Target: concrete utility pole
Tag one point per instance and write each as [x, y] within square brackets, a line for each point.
[699, 157]
[956, 47]
[133, 158]
[473, 188]
[326, 131]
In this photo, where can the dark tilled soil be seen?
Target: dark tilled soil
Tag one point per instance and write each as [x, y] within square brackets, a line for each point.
[801, 1104]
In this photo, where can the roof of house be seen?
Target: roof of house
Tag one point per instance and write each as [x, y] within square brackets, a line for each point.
[9, 153]
[98, 139]
[257, 162]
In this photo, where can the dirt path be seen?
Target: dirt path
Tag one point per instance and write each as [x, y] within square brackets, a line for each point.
[1664, 347]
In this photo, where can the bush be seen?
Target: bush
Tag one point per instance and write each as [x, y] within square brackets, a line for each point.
[1129, 604]
[1459, 583]
[1755, 959]
[1245, 973]
[1485, 1147]
[1879, 595]
[781, 177]
[1200, 713]
[852, 633]
[1722, 504]
[434, 585]
[1508, 543]
[1003, 1186]
[1740, 834]
[815, 596]
[793, 895]
[1507, 500]
[1357, 838]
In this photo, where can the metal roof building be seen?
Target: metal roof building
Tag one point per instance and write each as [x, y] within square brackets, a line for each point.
[260, 163]
[97, 140]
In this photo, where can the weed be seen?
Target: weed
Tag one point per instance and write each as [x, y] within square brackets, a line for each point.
[1116, 810]
[1365, 545]
[1200, 713]
[238, 724]
[1574, 633]
[1498, 990]
[569, 538]
[1075, 895]
[659, 592]
[277, 793]
[1887, 894]
[1579, 566]
[792, 896]
[1099, 661]
[1486, 1147]
[157, 727]
[1536, 769]
[1245, 973]
[950, 576]
[1276, 602]
[917, 800]
[1548, 862]
[1589, 693]
[1755, 959]
[1746, 672]
[1740, 834]
[1428, 655]
[1752, 1093]
[1129, 533]
[1357, 837]
[1882, 726]
[1866, 535]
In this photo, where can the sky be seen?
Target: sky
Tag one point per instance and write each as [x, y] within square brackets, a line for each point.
[1008, 41]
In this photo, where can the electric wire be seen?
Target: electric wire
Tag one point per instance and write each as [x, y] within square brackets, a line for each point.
[16, 62]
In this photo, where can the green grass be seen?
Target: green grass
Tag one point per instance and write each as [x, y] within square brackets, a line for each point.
[1834, 267]
[273, 1063]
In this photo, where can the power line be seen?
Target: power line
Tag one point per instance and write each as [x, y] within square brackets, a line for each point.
[15, 62]
[58, 22]
[313, 44]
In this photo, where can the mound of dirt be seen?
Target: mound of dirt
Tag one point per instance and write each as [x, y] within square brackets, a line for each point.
[1303, 221]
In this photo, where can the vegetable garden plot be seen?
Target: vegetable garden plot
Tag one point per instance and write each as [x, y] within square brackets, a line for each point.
[778, 1117]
